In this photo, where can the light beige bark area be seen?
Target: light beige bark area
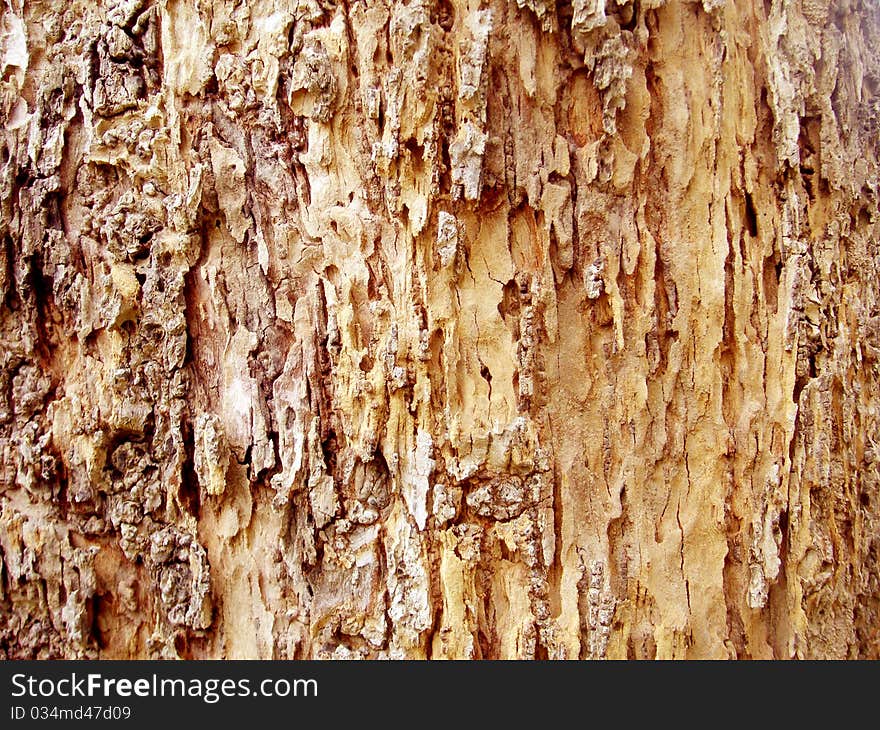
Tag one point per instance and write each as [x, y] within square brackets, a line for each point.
[439, 328]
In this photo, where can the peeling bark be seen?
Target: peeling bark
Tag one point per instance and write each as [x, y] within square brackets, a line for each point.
[499, 329]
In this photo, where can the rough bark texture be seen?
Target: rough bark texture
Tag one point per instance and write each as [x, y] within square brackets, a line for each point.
[446, 328]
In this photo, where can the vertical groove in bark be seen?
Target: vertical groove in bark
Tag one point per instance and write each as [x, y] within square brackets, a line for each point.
[448, 328]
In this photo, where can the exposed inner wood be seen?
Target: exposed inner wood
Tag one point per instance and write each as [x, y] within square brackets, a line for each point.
[439, 328]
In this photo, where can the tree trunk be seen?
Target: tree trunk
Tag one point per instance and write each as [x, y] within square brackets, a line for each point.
[440, 328]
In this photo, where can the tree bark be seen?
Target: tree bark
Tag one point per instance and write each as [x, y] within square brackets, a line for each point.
[440, 328]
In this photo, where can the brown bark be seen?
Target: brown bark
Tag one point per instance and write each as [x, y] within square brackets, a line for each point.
[447, 328]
